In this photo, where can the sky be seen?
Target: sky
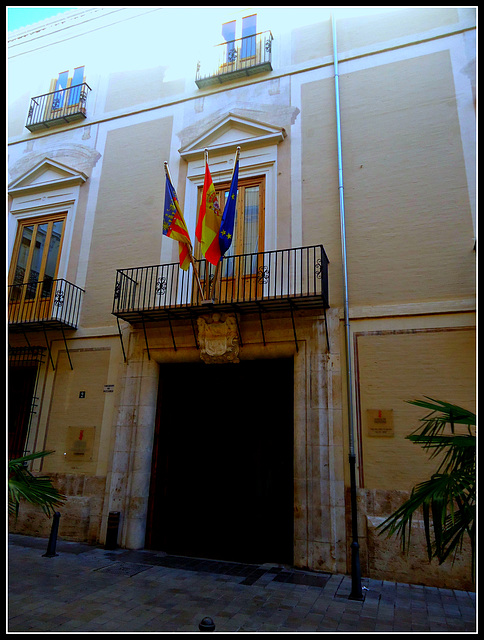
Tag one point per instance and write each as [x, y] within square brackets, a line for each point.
[23, 16]
[18, 17]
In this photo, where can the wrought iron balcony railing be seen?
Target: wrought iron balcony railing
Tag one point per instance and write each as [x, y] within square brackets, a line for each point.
[235, 59]
[64, 105]
[282, 279]
[45, 304]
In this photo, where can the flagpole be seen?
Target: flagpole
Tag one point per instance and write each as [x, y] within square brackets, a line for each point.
[211, 290]
[217, 268]
[189, 246]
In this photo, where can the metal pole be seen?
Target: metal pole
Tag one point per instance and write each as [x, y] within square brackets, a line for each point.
[50, 553]
[219, 263]
[189, 246]
[356, 590]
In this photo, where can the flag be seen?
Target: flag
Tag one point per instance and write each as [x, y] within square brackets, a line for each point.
[209, 219]
[174, 225]
[228, 219]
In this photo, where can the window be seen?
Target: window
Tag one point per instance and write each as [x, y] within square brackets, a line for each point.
[247, 44]
[228, 33]
[248, 233]
[62, 97]
[249, 223]
[60, 85]
[77, 80]
[35, 258]
[249, 31]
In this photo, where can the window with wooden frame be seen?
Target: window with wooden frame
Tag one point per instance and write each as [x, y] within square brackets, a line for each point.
[241, 261]
[35, 260]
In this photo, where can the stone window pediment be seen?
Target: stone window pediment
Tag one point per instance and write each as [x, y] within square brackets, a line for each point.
[46, 176]
[232, 131]
[258, 142]
[47, 189]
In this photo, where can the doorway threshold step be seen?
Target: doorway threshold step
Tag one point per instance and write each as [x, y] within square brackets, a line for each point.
[250, 573]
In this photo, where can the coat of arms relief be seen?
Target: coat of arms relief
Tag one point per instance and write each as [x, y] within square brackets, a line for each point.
[218, 338]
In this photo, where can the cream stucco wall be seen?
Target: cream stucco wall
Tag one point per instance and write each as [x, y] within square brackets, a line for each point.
[127, 226]
[405, 184]
[394, 367]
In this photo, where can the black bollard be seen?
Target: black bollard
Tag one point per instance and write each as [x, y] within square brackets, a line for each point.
[50, 553]
[112, 530]
[207, 624]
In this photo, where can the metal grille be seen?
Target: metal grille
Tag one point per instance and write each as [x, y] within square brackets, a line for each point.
[63, 105]
[49, 302]
[287, 278]
[24, 365]
[236, 58]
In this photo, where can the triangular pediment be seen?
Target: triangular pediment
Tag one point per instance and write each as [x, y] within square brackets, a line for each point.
[46, 175]
[232, 131]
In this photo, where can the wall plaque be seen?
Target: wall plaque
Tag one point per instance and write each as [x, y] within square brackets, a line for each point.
[379, 423]
[80, 444]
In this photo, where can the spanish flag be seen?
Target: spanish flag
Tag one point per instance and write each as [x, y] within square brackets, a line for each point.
[174, 225]
[209, 219]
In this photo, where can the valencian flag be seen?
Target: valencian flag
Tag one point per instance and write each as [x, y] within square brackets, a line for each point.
[228, 219]
[209, 219]
[174, 225]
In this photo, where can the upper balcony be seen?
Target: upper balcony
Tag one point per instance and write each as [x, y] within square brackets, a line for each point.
[58, 107]
[236, 59]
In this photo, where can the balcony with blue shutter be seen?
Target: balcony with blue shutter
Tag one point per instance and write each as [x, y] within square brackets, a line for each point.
[58, 107]
[236, 59]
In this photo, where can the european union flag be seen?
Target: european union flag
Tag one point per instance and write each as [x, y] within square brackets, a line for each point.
[228, 219]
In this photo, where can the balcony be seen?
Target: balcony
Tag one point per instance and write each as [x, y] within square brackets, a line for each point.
[236, 59]
[48, 304]
[58, 107]
[282, 280]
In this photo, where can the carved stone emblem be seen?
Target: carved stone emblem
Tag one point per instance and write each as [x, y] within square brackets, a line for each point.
[218, 338]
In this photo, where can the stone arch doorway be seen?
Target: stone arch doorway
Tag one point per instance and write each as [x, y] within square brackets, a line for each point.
[222, 483]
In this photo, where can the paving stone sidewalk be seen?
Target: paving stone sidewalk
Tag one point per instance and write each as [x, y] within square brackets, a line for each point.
[90, 589]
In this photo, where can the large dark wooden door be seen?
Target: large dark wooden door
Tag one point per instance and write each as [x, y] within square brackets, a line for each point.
[222, 479]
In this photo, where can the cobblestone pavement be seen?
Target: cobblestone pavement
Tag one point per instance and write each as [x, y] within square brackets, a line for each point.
[90, 589]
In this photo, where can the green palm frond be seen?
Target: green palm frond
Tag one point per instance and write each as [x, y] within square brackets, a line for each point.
[22, 484]
[448, 413]
[447, 500]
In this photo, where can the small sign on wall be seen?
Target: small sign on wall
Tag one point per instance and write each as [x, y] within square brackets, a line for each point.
[80, 444]
[379, 423]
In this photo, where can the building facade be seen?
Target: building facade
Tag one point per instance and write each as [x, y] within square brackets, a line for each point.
[216, 421]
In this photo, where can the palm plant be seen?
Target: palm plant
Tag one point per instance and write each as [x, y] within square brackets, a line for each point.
[448, 498]
[34, 489]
